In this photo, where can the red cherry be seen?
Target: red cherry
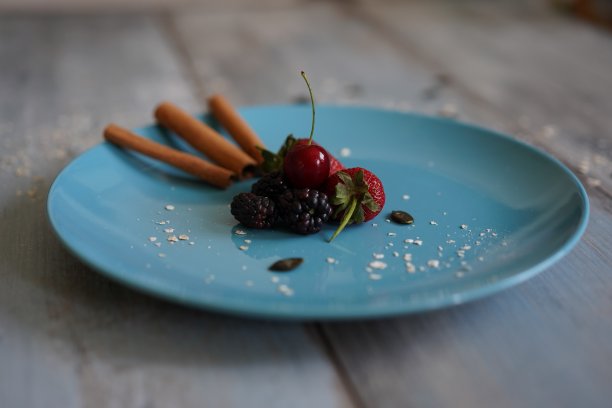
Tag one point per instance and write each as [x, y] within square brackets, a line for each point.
[306, 166]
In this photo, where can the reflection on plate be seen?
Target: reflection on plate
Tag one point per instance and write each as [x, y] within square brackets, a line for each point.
[489, 213]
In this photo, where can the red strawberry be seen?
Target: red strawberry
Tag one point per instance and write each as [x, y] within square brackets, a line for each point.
[356, 194]
[334, 164]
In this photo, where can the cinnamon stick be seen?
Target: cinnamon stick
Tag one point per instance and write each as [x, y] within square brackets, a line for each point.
[205, 139]
[211, 173]
[236, 126]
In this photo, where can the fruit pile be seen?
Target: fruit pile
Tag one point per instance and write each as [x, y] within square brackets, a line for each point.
[304, 187]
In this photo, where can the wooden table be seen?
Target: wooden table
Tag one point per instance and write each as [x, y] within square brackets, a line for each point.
[70, 337]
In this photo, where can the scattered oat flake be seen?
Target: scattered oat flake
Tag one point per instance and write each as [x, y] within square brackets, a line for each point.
[285, 290]
[183, 237]
[345, 152]
[169, 207]
[377, 265]
[460, 253]
[152, 239]
[409, 241]
[387, 220]
[395, 253]
[433, 263]
[161, 255]
[390, 244]
[172, 238]
[405, 197]
[160, 222]
[275, 279]
[410, 268]
[169, 230]
[191, 243]
[466, 247]
[369, 270]
[463, 226]
[433, 222]
[243, 247]
[330, 260]
[378, 256]
[422, 268]
[407, 257]
[440, 248]
[247, 241]
[375, 225]
[418, 242]
[375, 276]
[240, 232]
[157, 244]
[391, 234]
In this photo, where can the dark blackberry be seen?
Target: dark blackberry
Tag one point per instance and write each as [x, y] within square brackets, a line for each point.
[253, 211]
[303, 211]
[271, 185]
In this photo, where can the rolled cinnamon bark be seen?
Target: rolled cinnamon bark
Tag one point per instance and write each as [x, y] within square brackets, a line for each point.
[211, 173]
[236, 126]
[205, 139]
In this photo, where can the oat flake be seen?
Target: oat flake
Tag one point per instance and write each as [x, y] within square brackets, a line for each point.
[377, 265]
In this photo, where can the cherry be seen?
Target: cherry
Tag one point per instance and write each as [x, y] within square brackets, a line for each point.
[306, 165]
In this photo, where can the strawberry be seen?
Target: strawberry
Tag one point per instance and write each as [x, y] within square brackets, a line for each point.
[356, 194]
[274, 161]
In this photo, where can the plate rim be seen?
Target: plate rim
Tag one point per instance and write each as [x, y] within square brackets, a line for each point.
[351, 313]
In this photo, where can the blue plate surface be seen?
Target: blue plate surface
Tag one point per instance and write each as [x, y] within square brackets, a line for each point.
[489, 212]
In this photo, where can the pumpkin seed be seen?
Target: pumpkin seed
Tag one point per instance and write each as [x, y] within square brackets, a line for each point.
[286, 265]
[401, 217]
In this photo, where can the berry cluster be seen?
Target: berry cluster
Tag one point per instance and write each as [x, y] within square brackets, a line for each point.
[272, 203]
[305, 186]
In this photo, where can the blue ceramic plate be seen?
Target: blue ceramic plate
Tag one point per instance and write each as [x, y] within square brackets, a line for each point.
[490, 212]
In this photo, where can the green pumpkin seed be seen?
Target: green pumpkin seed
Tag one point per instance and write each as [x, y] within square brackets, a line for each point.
[401, 217]
[286, 265]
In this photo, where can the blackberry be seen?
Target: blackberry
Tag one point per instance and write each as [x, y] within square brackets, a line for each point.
[271, 185]
[303, 211]
[253, 211]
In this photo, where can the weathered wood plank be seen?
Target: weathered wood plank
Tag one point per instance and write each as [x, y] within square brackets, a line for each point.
[544, 343]
[521, 67]
[541, 344]
[68, 337]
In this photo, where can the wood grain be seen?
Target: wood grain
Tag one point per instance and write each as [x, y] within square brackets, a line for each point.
[544, 343]
[69, 337]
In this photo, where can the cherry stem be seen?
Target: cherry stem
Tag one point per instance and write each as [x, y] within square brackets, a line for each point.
[346, 218]
[312, 104]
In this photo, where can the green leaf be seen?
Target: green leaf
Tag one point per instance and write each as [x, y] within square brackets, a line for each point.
[274, 161]
[359, 178]
[287, 145]
[345, 178]
[358, 215]
[343, 194]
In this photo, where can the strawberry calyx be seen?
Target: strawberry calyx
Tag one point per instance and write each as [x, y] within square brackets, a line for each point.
[351, 196]
[274, 161]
